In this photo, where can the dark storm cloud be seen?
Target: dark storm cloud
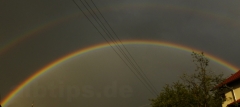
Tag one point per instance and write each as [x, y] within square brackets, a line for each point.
[210, 26]
[195, 24]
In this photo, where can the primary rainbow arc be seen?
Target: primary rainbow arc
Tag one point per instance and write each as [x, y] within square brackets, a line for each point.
[44, 70]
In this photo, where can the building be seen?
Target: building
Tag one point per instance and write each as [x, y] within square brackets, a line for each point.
[231, 90]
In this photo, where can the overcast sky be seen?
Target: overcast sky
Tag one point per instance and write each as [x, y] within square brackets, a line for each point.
[34, 33]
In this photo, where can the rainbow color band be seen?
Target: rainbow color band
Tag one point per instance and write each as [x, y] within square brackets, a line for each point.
[174, 8]
[51, 65]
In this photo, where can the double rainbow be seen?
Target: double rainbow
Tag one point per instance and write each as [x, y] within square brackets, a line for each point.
[10, 44]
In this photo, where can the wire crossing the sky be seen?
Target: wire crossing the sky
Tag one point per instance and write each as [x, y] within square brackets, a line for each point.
[113, 48]
[146, 80]
[120, 48]
[122, 44]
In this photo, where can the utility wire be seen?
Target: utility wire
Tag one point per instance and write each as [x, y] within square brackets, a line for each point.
[119, 48]
[142, 75]
[111, 46]
[114, 42]
[105, 30]
[123, 45]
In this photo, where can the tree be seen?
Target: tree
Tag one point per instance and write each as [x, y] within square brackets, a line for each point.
[192, 90]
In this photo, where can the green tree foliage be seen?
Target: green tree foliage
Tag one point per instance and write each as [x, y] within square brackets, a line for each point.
[193, 90]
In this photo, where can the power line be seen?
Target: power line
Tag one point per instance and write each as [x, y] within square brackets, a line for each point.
[124, 54]
[110, 44]
[123, 45]
[144, 75]
[117, 45]
[145, 79]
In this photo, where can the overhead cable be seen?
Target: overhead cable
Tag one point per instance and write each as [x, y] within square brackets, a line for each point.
[123, 46]
[133, 63]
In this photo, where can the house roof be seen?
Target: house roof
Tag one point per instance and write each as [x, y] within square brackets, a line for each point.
[230, 79]
[232, 104]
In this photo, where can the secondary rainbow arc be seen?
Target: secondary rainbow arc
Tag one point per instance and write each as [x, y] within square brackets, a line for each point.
[13, 42]
[51, 65]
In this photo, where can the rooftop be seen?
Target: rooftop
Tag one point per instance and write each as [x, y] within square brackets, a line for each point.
[230, 79]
